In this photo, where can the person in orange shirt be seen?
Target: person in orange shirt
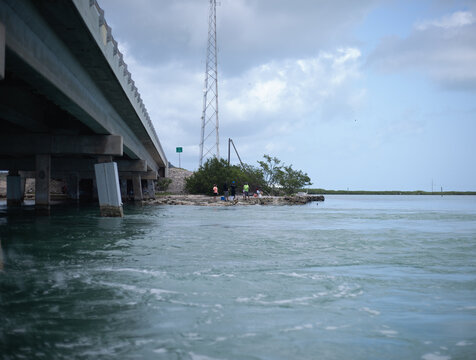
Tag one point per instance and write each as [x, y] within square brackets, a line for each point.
[215, 191]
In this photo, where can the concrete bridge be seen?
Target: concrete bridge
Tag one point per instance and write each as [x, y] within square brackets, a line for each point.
[69, 108]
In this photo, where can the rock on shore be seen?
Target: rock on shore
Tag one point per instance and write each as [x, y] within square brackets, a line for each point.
[203, 200]
[178, 177]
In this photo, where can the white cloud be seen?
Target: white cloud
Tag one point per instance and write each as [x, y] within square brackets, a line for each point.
[443, 49]
[457, 19]
[290, 89]
[248, 32]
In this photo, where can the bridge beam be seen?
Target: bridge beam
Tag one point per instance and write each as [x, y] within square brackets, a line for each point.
[30, 144]
[126, 175]
[70, 164]
[146, 175]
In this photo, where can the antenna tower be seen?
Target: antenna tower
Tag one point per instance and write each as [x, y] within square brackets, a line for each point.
[210, 92]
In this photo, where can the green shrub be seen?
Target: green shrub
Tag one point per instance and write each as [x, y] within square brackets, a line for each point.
[214, 171]
[271, 177]
[163, 183]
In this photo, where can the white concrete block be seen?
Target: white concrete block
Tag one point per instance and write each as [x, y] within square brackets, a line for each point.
[107, 179]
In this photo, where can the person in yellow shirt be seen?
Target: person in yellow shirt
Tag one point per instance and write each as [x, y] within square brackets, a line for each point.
[246, 191]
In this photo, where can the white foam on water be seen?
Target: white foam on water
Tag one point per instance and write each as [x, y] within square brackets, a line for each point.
[200, 357]
[345, 291]
[160, 351]
[389, 333]
[221, 275]
[193, 336]
[370, 311]
[249, 299]
[143, 342]
[191, 304]
[299, 327]
[304, 300]
[464, 343]
[435, 356]
[247, 335]
[140, 271]
[220, 338]
[125, 287]
[159, 292]
[331, 328]
[306, 276]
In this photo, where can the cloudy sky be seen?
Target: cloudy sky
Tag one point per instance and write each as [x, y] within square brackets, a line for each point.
[375, 95]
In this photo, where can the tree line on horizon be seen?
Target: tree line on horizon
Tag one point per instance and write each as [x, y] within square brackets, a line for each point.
[387, 192]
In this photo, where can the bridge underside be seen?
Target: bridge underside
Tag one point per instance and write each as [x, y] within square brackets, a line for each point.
[63, 108]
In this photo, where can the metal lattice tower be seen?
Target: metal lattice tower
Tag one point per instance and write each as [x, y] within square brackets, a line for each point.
[210, 92]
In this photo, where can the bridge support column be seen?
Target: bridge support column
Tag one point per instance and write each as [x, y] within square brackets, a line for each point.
[123, 185]
[14, 189]
[23, 187]
[137, 187]
[151, 189]
[42, 184]
[109, 193]
[72, 186]
[95, 190]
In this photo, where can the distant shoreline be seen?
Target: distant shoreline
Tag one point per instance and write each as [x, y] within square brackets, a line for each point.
[388, 192]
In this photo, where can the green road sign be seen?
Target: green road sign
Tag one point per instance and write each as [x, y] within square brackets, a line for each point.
[179, 150]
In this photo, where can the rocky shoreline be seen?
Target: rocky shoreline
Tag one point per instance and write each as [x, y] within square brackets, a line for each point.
[203, 200]
[179, 197]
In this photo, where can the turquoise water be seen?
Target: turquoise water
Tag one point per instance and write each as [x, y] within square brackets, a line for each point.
[355, 277]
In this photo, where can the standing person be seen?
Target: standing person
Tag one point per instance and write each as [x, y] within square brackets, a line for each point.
[233, 190]
[246, 191]
[215, 191]
[225, 191]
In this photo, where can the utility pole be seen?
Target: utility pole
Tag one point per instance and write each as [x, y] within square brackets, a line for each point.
[210, 93]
